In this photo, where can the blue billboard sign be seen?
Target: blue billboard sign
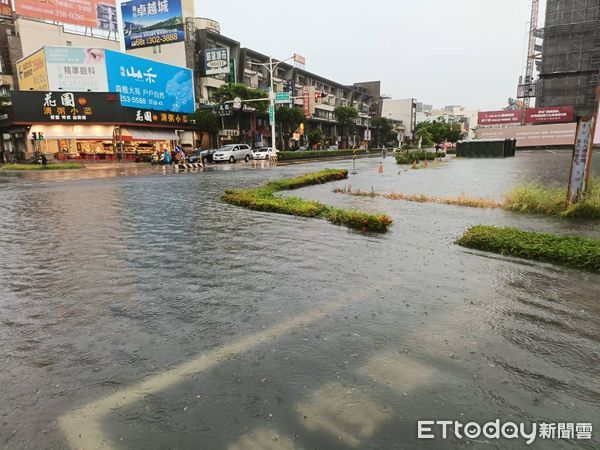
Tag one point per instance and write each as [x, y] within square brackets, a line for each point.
[148, 84]
[152, 22]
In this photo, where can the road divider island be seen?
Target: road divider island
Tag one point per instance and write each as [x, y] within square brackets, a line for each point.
[571, 251]
[262, 198]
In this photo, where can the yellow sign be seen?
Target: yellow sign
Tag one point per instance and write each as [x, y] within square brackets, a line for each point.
[32, 72]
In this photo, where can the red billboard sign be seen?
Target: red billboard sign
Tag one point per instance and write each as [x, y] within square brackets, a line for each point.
[514, 116]
[550, 114]
[100, 14]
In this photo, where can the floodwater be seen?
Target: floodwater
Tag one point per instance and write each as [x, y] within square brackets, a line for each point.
[139, 311]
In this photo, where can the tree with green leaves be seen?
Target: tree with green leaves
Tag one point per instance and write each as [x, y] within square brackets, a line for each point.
[422, 133]
[206, 121]
[314, 137]
[228, 92]
[288, 120]
[346, 117]
[382, 128]
[438, 131]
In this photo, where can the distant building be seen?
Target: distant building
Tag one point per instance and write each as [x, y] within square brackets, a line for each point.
[422, 107]
[454, 113]
[403, 111]
[570, 55]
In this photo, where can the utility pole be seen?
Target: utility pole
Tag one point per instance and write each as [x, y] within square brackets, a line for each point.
[272, 106]
[271, 68]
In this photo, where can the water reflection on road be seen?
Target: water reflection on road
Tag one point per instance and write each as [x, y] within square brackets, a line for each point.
[250, 329]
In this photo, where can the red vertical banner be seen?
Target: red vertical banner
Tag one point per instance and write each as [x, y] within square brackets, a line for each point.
[306, 100]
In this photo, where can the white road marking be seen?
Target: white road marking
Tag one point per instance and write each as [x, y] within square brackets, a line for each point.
[82, 427]
[346, 413]
[401, 373]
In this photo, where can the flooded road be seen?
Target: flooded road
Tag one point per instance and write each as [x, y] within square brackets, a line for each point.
[139, 311]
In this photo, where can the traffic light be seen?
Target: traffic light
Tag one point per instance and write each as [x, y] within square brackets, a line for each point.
[319, 96]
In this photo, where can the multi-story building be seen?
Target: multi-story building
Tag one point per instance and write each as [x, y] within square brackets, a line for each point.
[22, 34]
[403, 111]
[570, 55]
[250, 67]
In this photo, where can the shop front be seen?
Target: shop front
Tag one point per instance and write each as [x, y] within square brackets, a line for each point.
[90, 126]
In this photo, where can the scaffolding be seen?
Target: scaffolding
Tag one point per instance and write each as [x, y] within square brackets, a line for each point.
[570, 55]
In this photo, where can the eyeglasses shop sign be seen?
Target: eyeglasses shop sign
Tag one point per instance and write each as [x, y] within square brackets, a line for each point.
[216, 61]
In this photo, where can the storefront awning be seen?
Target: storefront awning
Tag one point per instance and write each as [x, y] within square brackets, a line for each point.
[79, 132]
[146, 134]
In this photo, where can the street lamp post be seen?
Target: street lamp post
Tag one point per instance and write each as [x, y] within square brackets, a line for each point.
[271, 68]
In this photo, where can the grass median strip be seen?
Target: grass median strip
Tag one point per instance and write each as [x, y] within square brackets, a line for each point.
[263, 199]
[572, 251]
[61, 166]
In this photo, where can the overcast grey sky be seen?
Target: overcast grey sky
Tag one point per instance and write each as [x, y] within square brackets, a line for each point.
[442, 52]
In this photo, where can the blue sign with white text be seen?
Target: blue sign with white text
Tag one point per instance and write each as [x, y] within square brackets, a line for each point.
[152, 22]
[148, 84]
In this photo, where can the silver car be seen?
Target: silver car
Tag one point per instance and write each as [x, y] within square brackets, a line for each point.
[233, 153]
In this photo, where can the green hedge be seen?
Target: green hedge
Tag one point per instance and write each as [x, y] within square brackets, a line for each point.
[282, 156]
[58, 166]
[410, 157]
[263, 199]
[573, 251]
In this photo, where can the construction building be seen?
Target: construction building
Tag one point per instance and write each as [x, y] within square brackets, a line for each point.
[570, 55]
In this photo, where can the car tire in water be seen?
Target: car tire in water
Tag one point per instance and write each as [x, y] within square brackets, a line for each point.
[231, 159]
[247, 158]
[204, 160]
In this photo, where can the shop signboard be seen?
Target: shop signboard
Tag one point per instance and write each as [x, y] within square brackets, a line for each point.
[69, 106]
[100, 14]
[153, 117]
[306, 101]
[32, 73]
[551, 114]
[229, 133]
[503, 117]
[216, 61]
[152, 22]
[76, 69]
[148, 84]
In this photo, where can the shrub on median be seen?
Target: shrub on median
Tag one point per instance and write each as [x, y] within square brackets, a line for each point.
[263, 199]
[411, 156]
[573, 251]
